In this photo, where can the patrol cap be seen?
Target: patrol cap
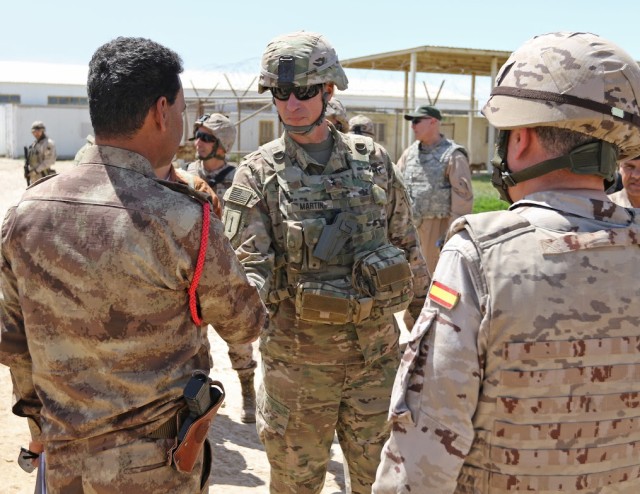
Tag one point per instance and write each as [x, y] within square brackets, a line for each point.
[37, 125]
[361, 125]
[300, 59]
[572, 80]
[423, 112]
[220, 126]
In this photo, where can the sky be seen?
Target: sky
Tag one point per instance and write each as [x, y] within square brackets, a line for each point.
[230, 35]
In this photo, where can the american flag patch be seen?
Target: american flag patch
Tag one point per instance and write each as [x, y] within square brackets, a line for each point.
[443, 295]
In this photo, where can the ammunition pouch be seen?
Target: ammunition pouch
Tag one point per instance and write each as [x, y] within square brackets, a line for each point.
[385, 276]
[331, 302]
[187, 452]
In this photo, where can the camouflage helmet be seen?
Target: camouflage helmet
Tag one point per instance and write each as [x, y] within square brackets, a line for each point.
[575, 81]
[220, 126]
[361, 125]
[37, 125]
[335, 109]
[300, 59]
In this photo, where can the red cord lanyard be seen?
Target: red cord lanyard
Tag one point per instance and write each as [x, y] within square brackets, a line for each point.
[204, 241]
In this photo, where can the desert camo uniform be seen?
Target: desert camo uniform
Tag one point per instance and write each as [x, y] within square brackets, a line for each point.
[41, 155]
[521, 374]
[311, 237]
[80, 301]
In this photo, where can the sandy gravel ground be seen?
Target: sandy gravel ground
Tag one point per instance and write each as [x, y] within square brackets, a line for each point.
[239, 466]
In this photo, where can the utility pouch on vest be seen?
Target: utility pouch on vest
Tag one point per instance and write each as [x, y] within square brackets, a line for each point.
[324, 303]
[385, 276]
[204, 398]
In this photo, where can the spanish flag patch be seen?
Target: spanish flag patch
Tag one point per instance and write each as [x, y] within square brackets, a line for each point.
[443, 295]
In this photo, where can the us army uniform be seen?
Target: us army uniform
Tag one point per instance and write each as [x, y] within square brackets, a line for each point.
[241, 356]
[309, 237]
[41, 158]
[484, 404]
[117, 296]
[438, 180]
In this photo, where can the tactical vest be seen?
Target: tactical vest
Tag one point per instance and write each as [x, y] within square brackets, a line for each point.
[560, 403]
[337, 261]
[426, 181]
[219, 182]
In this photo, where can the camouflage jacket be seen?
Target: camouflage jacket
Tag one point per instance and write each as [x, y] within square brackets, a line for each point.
[219, 180]
[42, 154]
[438, 180]
[522, 370]
[95, 323]
[264, 242]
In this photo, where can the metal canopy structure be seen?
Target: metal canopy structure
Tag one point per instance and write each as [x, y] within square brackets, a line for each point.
[435, 60]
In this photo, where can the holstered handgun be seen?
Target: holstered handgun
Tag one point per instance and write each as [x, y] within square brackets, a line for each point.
[334, 236]
[203, 397]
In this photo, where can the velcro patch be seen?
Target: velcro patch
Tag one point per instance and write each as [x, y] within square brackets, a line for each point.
[238, 195]
[443, 295]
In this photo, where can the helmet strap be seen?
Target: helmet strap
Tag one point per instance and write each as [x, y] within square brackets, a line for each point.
[305, 129]
[594, 158]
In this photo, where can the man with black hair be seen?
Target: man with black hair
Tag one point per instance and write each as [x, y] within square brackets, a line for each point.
[110, 274]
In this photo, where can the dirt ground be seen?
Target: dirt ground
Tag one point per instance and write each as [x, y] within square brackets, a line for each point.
[239, 465]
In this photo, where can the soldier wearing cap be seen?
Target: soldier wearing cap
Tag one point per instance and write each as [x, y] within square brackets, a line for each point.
[629, 195]
[522, 371]
[322, 225]
[437, 175]
[214, 136]
[41, 154]
[337, 115]
[361, 125]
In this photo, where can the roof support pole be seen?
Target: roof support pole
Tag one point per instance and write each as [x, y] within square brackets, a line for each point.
[413, 65]
[404, 128]
[472, 111]
[492, 130]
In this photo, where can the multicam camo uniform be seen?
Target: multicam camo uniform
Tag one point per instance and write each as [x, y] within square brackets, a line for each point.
[438, 180]
[241, 356]
[96, 328]
[319, 377]
[525, 380]
[42, 157]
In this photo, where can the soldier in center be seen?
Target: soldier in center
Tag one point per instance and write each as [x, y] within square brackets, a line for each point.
[322, 224]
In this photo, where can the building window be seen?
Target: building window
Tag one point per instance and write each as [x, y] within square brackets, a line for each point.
[379, 131]
[265, 132]
[9, 98]
[67, 100]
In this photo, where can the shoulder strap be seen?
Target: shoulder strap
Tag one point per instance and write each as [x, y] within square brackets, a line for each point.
[361, 146]
[227, 172]
[493, 226]
[446, 156]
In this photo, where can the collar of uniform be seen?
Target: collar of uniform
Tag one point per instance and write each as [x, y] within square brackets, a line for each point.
[583, 203]
[118, 157]
[427, 148]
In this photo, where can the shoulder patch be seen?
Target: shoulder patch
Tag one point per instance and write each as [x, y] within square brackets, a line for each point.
[443, 295]
[240, 195]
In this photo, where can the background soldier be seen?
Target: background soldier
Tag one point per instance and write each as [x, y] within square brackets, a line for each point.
[522, 372]
[361, 125]
[41, 154]
[437, 175]
[322, 225]
[629, 195]
[337, 115]
[214, 136]
[102, 319]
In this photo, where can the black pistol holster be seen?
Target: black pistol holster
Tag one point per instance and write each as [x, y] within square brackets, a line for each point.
[204, 397]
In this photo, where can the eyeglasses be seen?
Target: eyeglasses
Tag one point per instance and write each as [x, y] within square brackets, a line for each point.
[416, 121]
[301, 93]
[203, 136]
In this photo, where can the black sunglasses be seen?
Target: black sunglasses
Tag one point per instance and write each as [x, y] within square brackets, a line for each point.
[203, 136]
[301, 93]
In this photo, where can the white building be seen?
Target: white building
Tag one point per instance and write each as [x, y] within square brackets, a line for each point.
[56, 94]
